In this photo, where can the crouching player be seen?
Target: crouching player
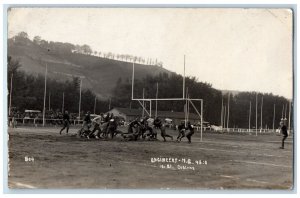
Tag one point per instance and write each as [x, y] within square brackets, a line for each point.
[112, 127]
[181, 130]
[85, 131]
[133, 131]
[96, 122]
[164, 134]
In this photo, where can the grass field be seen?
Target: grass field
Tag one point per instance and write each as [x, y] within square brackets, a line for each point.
[228, 161]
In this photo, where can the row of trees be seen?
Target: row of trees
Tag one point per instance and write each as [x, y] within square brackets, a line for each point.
[28, 92]
[170, 86]
[63, 48]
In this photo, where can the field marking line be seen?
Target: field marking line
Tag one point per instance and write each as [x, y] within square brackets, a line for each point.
[241, 152]
[23, 185]
[40, 131]
[249, 180]
[257, 181]
[32, 130]
[228, 176]
[261, 163]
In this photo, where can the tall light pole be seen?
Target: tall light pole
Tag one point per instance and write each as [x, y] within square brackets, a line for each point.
[132, 81]
[225, 113]
[256, 114]
[95, 105]
[10, 92]
[274, 118]
[285, 111]
[49, 100]
[79, 99]
[183, 86]
[143, 113]
[228, 112]
[63, 102]
[156, 100]
[250, 117]
[290, 109]
[222, 113]
[109, 103]
[45, 92]
[261, 109]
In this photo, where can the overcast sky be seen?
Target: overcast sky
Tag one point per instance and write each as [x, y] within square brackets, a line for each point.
[233, 49]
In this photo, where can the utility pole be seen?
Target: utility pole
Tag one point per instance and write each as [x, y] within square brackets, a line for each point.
[261, 109]
[79, 99]
[250, 117]
[95, 105]
[143, 102]
[256, 115]
[222, 112]
[109, 104]
[10, 93]
[274, 119]
[228, 112]
[156, 100]
[290, 109]
[49, 100]
[183, 86]
[63, 102]
[45, 92]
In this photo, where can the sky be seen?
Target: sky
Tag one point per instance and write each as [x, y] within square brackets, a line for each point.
[232, 49]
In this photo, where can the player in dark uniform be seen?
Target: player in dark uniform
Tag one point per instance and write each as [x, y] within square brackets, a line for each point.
[133, 125]
[105, 124]
[158, 125]
[66, 122]
[284, 132]
[164, 134]
[112, 127]
[181, 130]
[191, 131]
[133, 132]
[87, 124]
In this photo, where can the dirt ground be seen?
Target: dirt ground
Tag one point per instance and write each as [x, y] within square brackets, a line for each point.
[41, 158]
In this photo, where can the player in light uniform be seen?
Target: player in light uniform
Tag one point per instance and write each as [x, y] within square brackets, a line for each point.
[96, 122]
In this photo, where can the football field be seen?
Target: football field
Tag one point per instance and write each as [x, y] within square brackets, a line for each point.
[41, 158]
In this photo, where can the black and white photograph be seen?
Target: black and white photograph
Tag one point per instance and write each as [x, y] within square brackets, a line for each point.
[153, 98]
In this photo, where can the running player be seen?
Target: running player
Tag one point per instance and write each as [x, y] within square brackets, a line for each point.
[66, 122]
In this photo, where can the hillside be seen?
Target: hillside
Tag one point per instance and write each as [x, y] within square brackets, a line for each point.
[98, 74]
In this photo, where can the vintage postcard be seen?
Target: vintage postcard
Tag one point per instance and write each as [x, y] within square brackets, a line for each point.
[150, 98]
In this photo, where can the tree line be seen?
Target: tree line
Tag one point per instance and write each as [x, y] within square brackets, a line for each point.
[28, 92]
[170, 86]
[63, 48]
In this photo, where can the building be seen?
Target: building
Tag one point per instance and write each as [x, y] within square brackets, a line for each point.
[130, 114]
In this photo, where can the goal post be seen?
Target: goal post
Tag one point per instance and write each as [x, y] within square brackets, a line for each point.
[185, 99]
